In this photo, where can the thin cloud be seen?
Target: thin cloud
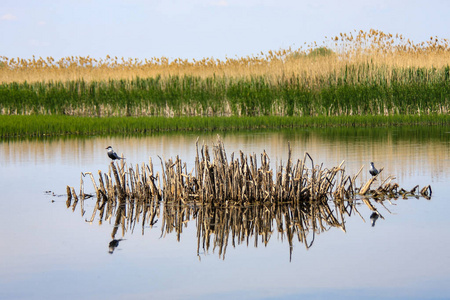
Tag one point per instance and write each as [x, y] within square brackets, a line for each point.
[8, 17]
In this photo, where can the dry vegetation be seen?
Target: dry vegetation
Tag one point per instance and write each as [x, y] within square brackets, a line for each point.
[219, 179]
[384, 52]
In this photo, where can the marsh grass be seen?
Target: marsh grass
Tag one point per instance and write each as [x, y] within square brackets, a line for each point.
[53, 125]
[409, 91]
[383, 52]
[354, 74]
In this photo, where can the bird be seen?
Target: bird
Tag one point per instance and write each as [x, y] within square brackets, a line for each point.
[374, 218]
[113, 155]
[372, 170]
[113, 245]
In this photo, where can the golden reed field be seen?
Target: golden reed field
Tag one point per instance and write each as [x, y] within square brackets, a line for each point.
[383, 52]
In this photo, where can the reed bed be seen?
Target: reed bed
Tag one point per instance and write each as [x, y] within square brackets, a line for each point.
[217, 179]
[382, 52]
[409, 91]
[234, 200]
[360, 73]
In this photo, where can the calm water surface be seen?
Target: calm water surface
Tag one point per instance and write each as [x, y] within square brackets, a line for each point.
[49, 251]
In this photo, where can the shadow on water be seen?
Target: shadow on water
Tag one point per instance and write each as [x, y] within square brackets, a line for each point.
[234, 201]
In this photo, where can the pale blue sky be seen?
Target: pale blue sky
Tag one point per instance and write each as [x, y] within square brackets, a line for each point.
[202, 28]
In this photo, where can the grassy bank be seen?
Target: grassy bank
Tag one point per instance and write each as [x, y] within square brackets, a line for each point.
[39, 125]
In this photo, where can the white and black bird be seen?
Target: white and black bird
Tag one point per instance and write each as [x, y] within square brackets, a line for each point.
[113, 155]
[373, 171]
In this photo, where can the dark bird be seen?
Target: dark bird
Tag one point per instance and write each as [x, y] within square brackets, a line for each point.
[113, 245]
[113, 155]
[374, 218]
[372, 170]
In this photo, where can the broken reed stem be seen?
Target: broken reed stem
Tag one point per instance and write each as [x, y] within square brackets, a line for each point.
[243, 180]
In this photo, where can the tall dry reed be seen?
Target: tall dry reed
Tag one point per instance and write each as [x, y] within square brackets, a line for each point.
[382, 51]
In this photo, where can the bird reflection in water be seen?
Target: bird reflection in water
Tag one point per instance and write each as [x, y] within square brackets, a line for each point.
[374, 217]
[113, 245]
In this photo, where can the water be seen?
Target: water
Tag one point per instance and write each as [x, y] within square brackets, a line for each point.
[49, 251]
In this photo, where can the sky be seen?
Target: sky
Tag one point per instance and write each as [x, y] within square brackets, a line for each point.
[202, 28]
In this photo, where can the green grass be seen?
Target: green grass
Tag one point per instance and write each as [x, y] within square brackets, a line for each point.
[349, 92]
[52, 125]
[358, 95]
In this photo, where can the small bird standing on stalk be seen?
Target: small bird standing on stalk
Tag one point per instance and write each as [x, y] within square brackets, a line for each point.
[113, 155]
[372, 170]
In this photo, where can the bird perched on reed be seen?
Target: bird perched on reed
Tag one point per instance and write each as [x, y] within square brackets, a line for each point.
[373, 171]
[113, 155]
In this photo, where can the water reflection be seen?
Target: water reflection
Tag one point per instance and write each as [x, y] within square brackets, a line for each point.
[407, 150]
[113, 245]
[404, 248]
[374, 217]
[219, 226]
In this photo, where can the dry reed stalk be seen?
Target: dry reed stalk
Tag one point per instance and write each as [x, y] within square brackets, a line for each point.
[366, 186]
[426, 192]
[69, 196]
[383, 51]
[241, 181]
[75, 201]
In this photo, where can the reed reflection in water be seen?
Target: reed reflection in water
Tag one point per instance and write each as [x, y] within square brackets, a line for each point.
[235, 202]
[219, 226]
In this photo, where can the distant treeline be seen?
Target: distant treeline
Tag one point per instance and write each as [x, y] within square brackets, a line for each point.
[347, 92]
